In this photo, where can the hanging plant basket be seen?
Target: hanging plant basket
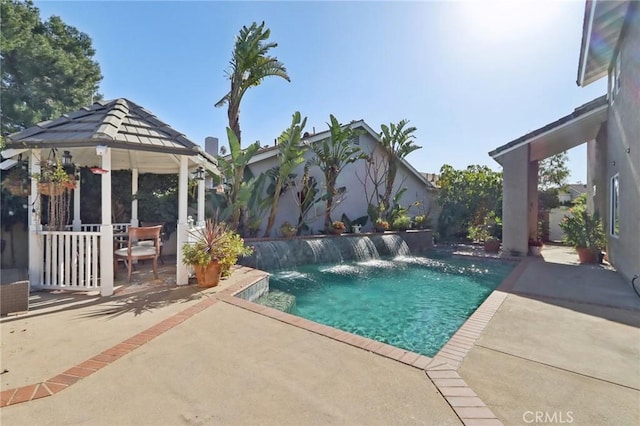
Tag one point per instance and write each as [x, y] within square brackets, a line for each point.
[18, 188]
[51, 188]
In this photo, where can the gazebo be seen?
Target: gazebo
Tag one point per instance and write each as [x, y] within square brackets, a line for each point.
[108, 135]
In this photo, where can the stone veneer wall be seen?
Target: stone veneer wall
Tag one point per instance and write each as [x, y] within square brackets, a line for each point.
[274, 254]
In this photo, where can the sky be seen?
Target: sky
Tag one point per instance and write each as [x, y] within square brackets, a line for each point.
[471, 76]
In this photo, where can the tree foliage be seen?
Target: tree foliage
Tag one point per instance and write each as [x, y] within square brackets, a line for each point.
[467, 197]
[553, 172]
[250, 64]
[47, 67]
[331, 156]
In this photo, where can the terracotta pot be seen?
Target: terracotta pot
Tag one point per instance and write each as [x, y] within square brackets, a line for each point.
[380, 228]
[208, 276]
[337, 231]
[492, 246]
[587, 255]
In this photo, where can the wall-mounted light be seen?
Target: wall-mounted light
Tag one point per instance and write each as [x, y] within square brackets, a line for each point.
[628, 150]
[66, 159]
[199, 173]
[613, 163]
[101, 150]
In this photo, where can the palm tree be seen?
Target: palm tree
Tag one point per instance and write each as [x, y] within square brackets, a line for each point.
[398, 142]
[249, 65]
[290, 155]
[332, 155]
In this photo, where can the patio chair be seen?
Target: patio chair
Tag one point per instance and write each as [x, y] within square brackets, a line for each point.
[162, 236]
[137, 251]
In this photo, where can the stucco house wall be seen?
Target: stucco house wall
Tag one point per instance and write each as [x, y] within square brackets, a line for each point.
[355, 201]
[623, 155]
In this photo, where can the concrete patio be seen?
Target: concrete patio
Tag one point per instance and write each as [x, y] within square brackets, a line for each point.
[565, 339]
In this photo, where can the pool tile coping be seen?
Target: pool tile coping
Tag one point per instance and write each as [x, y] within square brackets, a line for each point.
[441, 369]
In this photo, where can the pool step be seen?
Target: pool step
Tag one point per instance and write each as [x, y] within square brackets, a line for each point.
[278, 300]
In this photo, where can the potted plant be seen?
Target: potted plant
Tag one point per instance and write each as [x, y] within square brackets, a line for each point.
[584, 231]
[203, 253]
[535, 246]
[381, 225]
[228, 249]
[53, 179]
[288, 230]
[338, 227]
[482, 233]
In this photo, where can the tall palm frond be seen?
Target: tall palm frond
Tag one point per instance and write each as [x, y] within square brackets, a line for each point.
[250, 64]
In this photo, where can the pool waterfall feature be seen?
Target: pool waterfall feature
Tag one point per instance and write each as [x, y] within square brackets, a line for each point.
[277, 254]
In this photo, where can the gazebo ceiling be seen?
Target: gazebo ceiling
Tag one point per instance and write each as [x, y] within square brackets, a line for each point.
[137, 138]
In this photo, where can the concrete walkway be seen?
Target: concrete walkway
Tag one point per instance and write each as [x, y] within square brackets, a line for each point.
[564, 343]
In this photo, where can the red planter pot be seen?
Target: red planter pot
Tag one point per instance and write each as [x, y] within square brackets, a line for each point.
[208, 276]
[587, 255]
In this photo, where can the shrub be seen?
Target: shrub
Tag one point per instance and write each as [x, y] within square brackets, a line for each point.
[582, 229]
[402, 223]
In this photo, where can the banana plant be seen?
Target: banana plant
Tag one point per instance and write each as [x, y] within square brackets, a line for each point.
[331, 156]
[397, 142]
[291, 152]
[233, 168]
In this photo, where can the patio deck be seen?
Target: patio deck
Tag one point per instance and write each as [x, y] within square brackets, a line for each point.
[565, 339]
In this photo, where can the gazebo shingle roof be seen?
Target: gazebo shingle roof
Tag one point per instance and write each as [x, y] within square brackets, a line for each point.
[117, 123]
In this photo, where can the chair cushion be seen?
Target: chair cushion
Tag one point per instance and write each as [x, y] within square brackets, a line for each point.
[136, 251]
[147, 243]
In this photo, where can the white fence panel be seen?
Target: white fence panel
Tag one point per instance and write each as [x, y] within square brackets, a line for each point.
[71, 260]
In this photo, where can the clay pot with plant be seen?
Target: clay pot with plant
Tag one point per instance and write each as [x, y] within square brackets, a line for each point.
[338, 227]
[288, 230]
[203, 253]
[381, 225]
[585, 233]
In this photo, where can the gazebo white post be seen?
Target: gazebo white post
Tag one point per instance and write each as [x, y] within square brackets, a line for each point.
[201, 202]
[134, 199]
[182, 275]
[77, 223]
[106, 230]
[35, 240]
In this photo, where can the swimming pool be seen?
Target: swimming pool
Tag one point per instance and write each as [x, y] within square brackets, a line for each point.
[414, 303]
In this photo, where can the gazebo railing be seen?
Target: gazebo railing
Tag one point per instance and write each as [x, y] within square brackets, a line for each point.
[118, 228]
[71, 260]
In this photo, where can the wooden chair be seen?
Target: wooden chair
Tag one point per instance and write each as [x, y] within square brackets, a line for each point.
[136, 251]
[162, 236]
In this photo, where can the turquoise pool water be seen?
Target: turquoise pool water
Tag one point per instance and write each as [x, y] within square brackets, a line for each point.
[414, 303]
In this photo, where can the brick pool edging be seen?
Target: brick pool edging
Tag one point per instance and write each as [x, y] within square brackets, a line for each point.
[85, 369]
